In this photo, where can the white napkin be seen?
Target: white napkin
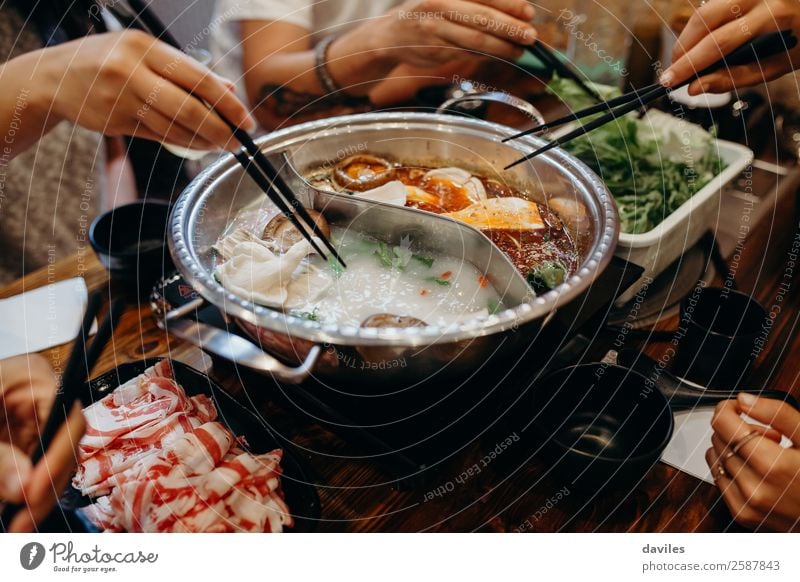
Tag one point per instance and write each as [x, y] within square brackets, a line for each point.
[692, 438]
[45, 317]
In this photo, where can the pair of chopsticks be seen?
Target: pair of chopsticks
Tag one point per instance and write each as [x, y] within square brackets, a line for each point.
[250, 156]
[549, 59]
[761, 47]
[79, 365]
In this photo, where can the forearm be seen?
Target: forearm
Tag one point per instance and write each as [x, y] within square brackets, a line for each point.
[355, 72]
[280, 54]
[292, 89]
[285, 82]
[25, 114]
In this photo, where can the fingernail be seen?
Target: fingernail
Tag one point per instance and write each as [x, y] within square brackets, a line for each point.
[529, 12]
[747, 399]
[529, 36]
[666, 78]
[250, 123]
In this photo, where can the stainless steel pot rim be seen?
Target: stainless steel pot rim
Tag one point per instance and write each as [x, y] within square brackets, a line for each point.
[206, 285]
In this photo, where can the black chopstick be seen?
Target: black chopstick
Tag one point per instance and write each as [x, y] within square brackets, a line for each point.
[635, 95]
[277, 184]
[761, 47]
[656, 93]
[263, 182]
[104, 333]
[544, 54]
[254, 162]
[79, 366]
[74, 371]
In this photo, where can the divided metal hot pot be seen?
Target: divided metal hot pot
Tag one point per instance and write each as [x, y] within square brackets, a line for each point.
[292, 348]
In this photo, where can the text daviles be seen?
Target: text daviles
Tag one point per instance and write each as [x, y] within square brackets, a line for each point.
[665, 549]
[65, 553]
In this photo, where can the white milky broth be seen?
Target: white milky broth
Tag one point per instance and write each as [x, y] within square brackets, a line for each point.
[435, 289]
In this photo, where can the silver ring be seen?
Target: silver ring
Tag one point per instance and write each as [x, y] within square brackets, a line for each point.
[734, 450]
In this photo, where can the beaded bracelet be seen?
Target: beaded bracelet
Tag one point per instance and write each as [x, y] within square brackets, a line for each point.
[321, 61]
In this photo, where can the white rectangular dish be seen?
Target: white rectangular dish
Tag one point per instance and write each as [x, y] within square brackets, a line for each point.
[656, 249]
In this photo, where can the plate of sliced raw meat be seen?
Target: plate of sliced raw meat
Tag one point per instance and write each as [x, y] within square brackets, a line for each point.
[167, 450]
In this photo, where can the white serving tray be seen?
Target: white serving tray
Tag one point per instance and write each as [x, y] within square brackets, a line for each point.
[656, 249]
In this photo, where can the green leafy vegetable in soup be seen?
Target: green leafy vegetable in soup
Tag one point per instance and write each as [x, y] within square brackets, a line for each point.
[335, 266]
[494, 306]
[439, 281]
[391, 282]
[427, 261]
[547, 275]
[394, 257]
[309, 315]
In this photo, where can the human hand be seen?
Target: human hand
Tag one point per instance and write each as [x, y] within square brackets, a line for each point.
[428, 33]
[759, 480]
[129, 83]
[27, 390]
[721, 26]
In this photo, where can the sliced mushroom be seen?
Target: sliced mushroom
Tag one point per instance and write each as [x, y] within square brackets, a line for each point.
[281, 234]
[363, 172]
[392, 320]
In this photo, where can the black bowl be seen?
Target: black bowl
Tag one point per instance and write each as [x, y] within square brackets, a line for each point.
[301, 495]
[601, 426]
[130, 241]
[722, 331]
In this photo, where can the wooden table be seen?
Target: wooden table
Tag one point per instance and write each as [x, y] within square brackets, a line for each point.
[354, 494]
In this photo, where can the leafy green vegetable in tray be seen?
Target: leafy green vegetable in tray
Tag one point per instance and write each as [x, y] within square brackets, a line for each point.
[651, 165]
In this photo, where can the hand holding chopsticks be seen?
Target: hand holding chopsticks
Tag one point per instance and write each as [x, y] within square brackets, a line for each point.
[53, 458]
[27, 388]
[719, 26]
[760, 48]
[250, 156]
